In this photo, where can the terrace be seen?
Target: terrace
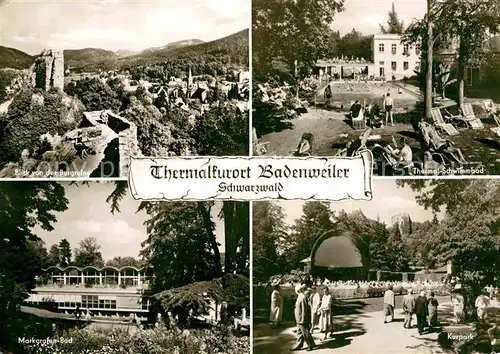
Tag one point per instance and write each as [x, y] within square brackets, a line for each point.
[106, 277]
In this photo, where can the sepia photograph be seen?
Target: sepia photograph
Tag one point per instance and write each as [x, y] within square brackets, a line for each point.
[415, 270]
[86, 269]
[416, 82]
[86, 85]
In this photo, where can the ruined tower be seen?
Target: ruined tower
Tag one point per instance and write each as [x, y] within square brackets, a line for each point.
[49, 69]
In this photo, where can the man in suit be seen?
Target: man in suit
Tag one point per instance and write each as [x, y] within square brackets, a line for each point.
[408, 308]
[389, 302]
[303, 318]
[422, 311]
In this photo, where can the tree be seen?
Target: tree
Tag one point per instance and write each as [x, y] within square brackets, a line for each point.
[354, 44]
[95, 94]
[88, 253]
[317, 218]
[291, 30]
[222, 131]
[181, 244]
[120, 262]
[154, 135]
[394, 26]
[268, 233]
[468, 236]
[53, 257]
[236, 216]
[24, 207]
[64, 253]
[471, 23]
[422, 32]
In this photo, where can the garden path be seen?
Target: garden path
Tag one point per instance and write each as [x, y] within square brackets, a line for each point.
[365, 333]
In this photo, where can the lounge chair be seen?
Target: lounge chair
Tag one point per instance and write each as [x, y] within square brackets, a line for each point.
[440, 146]
[359, 121]
[470, 118]
[496, 129]
[490, 109]
[440, 123]
[260, 148]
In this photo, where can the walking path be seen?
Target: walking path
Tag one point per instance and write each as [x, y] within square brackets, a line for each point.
[364, 333]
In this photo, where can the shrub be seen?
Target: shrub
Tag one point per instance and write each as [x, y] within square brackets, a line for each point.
[152, 341]
[25, 123]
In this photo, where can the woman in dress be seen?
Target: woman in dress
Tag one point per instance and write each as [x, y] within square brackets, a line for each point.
[325, 310]
[276, 315]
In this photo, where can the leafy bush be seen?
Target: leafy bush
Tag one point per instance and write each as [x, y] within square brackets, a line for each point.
[94, 94]
[152, 341]
[32, 114]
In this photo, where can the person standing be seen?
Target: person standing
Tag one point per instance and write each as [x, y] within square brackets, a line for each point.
[315, 302]
[302, 318]
[276, 314]
[482, 304]
[328, 95]
[432, 305]
[389, 301]
[326, 313]
[388, 106]
[422, 311]
[408, 308]
[458, 301]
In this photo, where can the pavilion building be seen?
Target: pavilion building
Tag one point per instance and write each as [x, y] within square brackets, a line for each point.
[107, 291]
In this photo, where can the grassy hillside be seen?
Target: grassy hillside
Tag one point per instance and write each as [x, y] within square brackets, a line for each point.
[235, 45]
[174, 45]
[75, 58]
[232, 49]
[15, 59]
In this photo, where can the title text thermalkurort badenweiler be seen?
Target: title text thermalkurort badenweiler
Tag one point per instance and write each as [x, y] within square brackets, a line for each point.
[265, 171]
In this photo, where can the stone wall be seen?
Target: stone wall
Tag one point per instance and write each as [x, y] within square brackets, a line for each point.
[128, 144]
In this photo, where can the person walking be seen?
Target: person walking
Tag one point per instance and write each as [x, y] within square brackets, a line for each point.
[389, 301]
[302, 318]
[422, 311]
[276, 315]
[408, 308]
[482, 304]
[325, 321]
[314, 302]
[432, 305]
[458, 302]
[388, 106]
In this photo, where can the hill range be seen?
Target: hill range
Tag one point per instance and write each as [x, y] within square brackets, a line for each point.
[92, 58]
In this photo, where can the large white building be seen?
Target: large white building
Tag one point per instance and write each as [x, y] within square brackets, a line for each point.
[391, 58]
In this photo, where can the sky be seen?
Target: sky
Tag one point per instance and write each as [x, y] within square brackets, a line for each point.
[388, 201]
[89, 215]
[365, 15]
[33, 25]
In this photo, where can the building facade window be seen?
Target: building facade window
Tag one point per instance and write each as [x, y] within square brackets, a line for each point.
[394, 48]
[381, 63]
[394, 66]
[417, 48]
[381, 48]
[406, 49]
[405, 65]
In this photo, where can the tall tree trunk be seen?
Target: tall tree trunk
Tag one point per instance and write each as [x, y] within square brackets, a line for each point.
[236, 221]
[461, 81]
[230, 230]
[207, 220]
[428, 76]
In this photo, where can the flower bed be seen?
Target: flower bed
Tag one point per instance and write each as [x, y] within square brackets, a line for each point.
[153, 341]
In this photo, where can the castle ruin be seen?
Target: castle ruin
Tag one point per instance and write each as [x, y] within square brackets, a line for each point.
[49, 69]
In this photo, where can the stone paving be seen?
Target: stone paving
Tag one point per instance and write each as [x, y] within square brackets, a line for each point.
[364, 333]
